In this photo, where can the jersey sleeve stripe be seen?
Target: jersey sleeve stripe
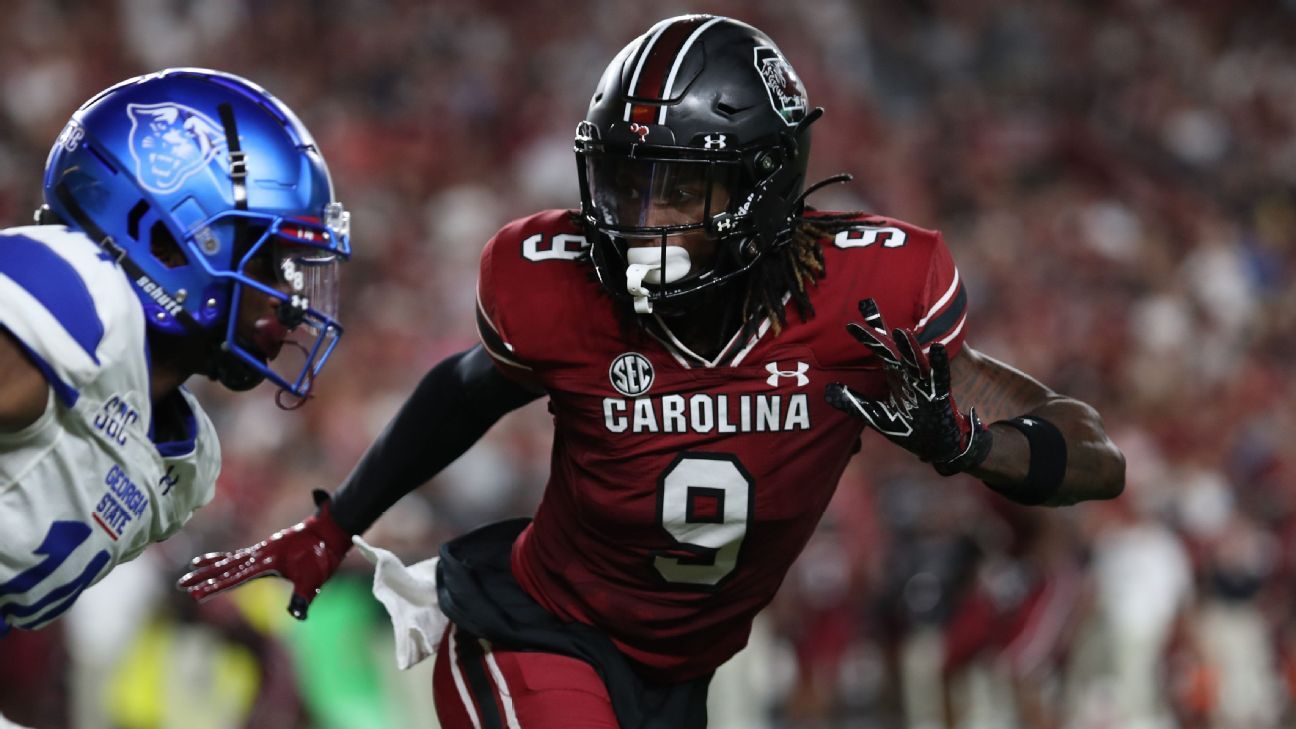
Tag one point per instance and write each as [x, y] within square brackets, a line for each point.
[956, 286]
[942, 324]
[495, 345]
[952, 335]
[65, 392]
[55, 285]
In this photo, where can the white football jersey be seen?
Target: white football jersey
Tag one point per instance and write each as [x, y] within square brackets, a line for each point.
[85, 487]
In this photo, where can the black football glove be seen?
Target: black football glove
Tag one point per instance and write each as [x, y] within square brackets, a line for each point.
[919, 414]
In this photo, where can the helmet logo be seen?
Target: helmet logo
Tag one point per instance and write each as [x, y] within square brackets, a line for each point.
[714, 141]
[641, 130]
[786, 93]
[71, 136]
[171, 143]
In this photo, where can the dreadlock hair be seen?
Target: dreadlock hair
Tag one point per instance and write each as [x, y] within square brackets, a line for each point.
[788, 272]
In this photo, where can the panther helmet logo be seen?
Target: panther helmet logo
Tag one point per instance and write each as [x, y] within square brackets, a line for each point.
[171, 143]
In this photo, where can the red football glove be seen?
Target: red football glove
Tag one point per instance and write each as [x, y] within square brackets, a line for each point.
[306, 555]
[920, 414]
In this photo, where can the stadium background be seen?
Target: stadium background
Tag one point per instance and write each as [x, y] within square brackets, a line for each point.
[1115, 179]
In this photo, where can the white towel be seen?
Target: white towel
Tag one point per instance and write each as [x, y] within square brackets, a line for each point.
[410, 596]
[6, 724]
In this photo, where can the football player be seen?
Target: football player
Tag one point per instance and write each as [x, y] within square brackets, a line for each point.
[689, 326]
[189, 227]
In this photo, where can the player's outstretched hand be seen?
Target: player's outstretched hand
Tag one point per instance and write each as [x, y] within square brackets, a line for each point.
[306, 554]
[919, 413]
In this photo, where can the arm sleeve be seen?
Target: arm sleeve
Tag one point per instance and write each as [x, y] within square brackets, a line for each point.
[452, 407]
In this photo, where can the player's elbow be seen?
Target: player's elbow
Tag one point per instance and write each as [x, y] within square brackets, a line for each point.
[1101, 461]
[1111, 482]
[24, 392]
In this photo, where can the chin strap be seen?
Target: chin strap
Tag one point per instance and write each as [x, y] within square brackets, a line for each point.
[286, 400]
[228, 369]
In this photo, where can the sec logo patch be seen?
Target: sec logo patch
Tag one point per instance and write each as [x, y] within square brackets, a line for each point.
[631, 374]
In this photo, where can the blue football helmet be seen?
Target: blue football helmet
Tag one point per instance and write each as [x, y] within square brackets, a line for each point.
[208, 191]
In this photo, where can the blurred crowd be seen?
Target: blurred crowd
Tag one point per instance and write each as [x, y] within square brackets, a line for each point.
[1116, 179]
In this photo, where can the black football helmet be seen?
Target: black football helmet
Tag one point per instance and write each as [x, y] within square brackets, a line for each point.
[702, 116]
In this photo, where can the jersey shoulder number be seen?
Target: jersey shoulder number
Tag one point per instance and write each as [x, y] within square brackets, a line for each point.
[908, 270]
[534, 282]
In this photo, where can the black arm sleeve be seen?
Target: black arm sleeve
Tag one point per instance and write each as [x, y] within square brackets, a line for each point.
[454, 405]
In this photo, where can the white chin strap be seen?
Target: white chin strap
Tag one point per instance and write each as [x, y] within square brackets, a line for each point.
[645, 266]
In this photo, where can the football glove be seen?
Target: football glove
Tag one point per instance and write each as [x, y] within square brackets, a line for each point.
[306, 555]
[919, 414]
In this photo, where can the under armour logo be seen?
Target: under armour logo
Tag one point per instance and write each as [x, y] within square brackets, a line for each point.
[169, 480]
[723, 223]
[714, 141]
[799, 373]
[641, 130]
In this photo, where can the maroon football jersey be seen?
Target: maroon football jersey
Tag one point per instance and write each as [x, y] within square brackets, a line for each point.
[681, 490]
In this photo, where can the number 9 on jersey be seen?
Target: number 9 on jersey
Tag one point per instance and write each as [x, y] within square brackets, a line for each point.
[704, 503]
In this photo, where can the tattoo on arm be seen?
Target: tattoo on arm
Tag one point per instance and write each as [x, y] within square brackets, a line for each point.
[1095, 467]
[996, 390]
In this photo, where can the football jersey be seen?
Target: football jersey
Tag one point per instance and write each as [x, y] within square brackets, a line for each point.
[681, 490]
[85, 487]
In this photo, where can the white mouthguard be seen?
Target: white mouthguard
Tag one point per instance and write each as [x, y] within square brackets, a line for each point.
[645, 267]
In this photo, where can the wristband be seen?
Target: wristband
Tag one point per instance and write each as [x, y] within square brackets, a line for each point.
[1048, 461]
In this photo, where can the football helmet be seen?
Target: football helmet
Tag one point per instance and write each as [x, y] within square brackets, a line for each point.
[206, 189]
[700, 124]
